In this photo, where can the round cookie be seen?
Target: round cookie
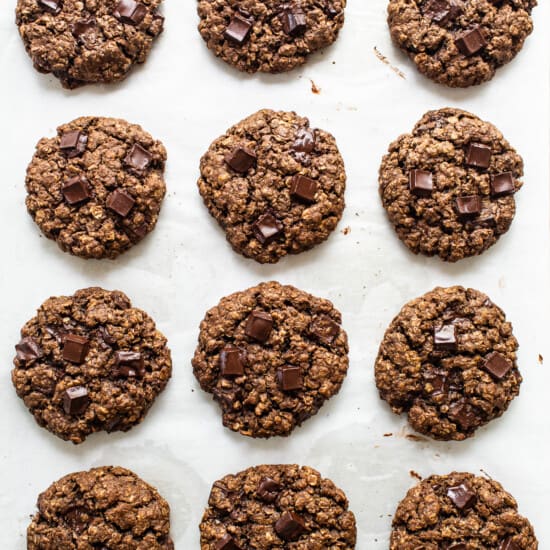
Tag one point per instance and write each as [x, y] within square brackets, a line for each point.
[86, 42]
[269, 36]
[270, 356]
[460, 511]
[90, 362]
[275, 185]
[448, 360]
[448, 187]
[97, 186]
[277, 506]
[460, 43]
[107, 507]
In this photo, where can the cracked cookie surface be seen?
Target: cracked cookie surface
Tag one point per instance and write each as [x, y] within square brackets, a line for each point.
[105, 508]
[271, 356]
[448, 187]
[274, 184]
[448, 360]
[90, 362]
[83, 42]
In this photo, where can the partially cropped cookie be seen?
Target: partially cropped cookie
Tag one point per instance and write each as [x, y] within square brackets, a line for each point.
[460, 43]
[271, 356]
[90, 362]
[266, 35]
[274, 184]
[448, 187]
[88, 42]
[448, 360]
[97, 187]
[277, 507]
[460, 511]
[107, 507]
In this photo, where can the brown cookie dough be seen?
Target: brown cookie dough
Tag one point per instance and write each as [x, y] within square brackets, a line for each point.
[277, 506]
[460, 511]
[460, 43]
[86, 42]
[269, 36]
[105, 508]
[275, 185]
[449, 361]
[271, 356]
[448, 187]
[90, 362]
[97, 186]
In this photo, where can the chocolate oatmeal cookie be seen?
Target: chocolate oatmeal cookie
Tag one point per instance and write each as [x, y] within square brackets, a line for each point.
[274, 184]
[449, 361]
[271, 356]
[90, 362]
[460, 43]
[460, 511]
[448, 187]
[97, 186]
[270, 36]
[86, 42]
[105, 508]
[277, 506]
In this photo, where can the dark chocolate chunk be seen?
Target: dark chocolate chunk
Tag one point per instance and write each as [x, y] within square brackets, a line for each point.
[76, 400]
[268, 490]
[462, 496]
[129, 364]
[267, 228]
[130, 11]
[463, 414]
[121, 202]
[471, 42]
[496, 364]
[77, 518]
[304, 142]
[138, 157]
[441, 12]
[105, 337]
[227, 543]
[468, 206]
[303, 189]
[259, 326]
[445, 338]
[53, 6]
[502, 184]
[290, 526]
[241, 159]
[238, 29]
[508, 544]
[324, 329]
[28, 350]
[421, 183]
[75, 348]
[231, 361]
[289, 378]
[294, 21]
[478, 155]
[437, 382]
[73, 143]
[83, 28]
[76, 190]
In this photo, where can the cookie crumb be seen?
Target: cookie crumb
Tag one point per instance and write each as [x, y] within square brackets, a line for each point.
[387, 62]
[415, 475]
[541, 359]
[389, 434]
[314, 88]
[346, 230]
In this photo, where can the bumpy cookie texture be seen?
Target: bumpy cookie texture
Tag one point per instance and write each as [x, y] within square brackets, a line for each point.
[271, 356]
[449, 361]
[277, 506]
[448, 187]
[460, 43]
[460, 511]
[90, 362]
[270, 36]
[274, 184]
[97, 186]
[105, 508]
[91, 41]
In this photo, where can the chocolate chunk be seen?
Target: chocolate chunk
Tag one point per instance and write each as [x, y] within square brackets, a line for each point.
[77, 518]
[267, 228]
[53, 6]
[105, 337]
[497, 365]
[304, 142]
[290, 526]
[76, 190]
[445, 338]
[462, 496]
[227, 398]
[294, 21]
[231, 361]
[478, 155]
[138, 157]
[471, 42]
[468, 206]
[330, 10]
[238, 29]
[289, 378]
[28, 350]
[502, 184]
[324, 328]
[75, 348]
[441, 12]
[129, 364]
[130, 11]
[73, 144]
[463, 414]
[75, 400]
[508, 544]
[227, 543]
[259, 326]
[121, 202]
[268, 490]
[421, 183]
[437, 382]
[241, 159]
[303, 189]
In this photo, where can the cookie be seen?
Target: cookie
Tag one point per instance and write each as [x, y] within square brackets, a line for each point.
[107, 507]
[448, 187]
[90, 362]
[274, 184]
[96, 188]
[269, 36]
[460, 43]
[270, 356]
[277, 506]
[86, 42]
[448, 360]
[460, 511]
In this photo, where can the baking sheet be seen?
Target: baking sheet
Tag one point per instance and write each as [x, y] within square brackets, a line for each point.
[186, 97]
